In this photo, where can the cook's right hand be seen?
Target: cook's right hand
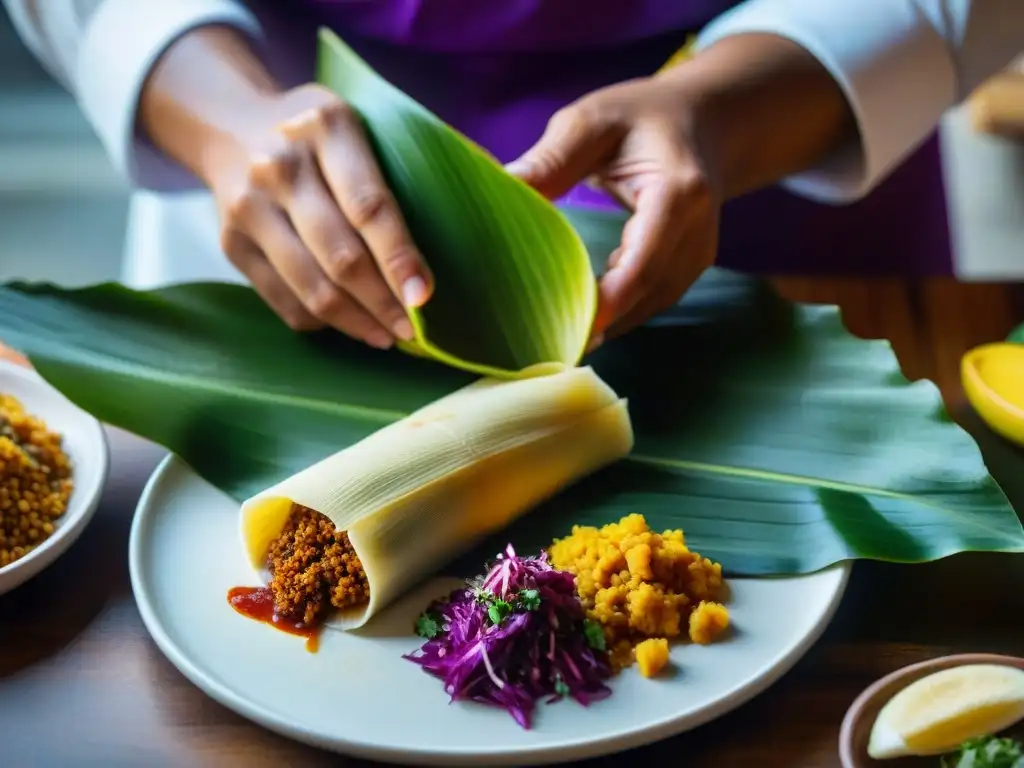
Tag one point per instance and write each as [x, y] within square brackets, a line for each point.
[307, 217]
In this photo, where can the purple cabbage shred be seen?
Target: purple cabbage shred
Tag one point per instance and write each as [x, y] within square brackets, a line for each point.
[513, 636]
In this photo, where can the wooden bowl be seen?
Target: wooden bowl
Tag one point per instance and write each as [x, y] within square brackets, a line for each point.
[860, 717]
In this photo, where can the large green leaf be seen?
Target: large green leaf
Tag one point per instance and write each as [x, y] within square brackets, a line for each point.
[779, 442]
[776, 440]
[514, 285]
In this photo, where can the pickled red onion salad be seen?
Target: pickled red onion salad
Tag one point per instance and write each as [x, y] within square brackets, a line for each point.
[514, 636]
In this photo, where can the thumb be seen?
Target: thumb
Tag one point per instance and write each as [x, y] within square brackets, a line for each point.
[574, 145]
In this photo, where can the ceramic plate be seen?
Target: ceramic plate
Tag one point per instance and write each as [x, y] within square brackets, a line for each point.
[357, 696]
[86, 445]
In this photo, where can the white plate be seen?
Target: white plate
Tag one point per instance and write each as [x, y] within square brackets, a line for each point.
[86, 446]
[359, 697]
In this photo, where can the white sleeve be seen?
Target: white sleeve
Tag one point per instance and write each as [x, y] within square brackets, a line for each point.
[103, 50]
[901, 64]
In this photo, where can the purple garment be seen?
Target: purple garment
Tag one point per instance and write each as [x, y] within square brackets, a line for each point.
[498, 69]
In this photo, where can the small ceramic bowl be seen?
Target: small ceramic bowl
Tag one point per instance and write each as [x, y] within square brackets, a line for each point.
[993, 380]
[86, 445]
[860, 717]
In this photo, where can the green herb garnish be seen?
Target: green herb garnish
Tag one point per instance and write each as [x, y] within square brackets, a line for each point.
[428, 626]
[498, 610]
[595, 635]
[530, 599]
[561, 688]
[986, 752]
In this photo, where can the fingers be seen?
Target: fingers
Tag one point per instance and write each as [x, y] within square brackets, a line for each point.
[341, 253]
[299, 270]
[651, 271]
[688, 270]
[350, 169]
[247, 256]
[576, 141]
[310, 220]
[290, 173]
[649, 237]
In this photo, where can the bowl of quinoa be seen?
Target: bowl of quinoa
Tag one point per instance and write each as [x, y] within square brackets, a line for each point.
[53, 465]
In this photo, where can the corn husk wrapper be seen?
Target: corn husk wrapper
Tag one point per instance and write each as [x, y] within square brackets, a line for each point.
[419, 492]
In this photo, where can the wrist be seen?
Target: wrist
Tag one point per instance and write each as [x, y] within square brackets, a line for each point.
[759, 108]
[203, 96]
[699, 115]
[232, 133]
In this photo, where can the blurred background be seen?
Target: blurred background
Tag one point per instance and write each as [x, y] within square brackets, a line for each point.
[63, 210]
[62, 207]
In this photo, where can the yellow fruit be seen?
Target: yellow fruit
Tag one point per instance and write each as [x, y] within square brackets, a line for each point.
[993, 380]
[939, 712]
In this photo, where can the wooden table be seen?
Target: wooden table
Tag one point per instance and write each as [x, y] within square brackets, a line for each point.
[82, 685]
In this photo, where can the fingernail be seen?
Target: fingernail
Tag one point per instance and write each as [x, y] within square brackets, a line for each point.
[380, 339]
[518, 168]
[403, 329]
[414, 292]
[595, 342]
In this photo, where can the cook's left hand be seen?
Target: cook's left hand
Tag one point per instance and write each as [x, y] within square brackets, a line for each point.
[640, 141]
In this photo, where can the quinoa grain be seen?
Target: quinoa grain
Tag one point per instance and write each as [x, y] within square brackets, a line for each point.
[35, 481]
[314, 568]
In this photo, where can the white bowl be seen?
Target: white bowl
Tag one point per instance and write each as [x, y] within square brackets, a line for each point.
[86, 445]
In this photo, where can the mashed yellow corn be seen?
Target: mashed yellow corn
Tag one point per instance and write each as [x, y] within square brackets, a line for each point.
[651, 655]
[638, 584]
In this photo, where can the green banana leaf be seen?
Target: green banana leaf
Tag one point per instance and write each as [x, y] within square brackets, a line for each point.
[776, 440]
[1017, 335]
[514, 286]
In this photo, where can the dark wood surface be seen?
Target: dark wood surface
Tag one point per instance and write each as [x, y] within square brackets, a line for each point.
[82, 685]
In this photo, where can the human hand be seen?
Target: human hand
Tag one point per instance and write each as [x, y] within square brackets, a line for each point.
[640, 141]
[307, 217]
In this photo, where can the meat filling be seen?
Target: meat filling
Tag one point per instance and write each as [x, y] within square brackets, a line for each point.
[313, 569]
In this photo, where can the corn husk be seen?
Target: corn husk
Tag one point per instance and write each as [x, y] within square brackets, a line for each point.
[421, 491]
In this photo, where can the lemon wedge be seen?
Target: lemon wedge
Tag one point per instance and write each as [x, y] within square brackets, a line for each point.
[939, 712]
[993, 380]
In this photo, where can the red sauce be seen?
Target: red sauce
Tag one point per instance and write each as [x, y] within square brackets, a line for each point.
[257, 603]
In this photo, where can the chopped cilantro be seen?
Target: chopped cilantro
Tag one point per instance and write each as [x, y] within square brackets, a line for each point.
[530, 599]
[986, 752]
[428, 626]
[595, 635]
[498, 610]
